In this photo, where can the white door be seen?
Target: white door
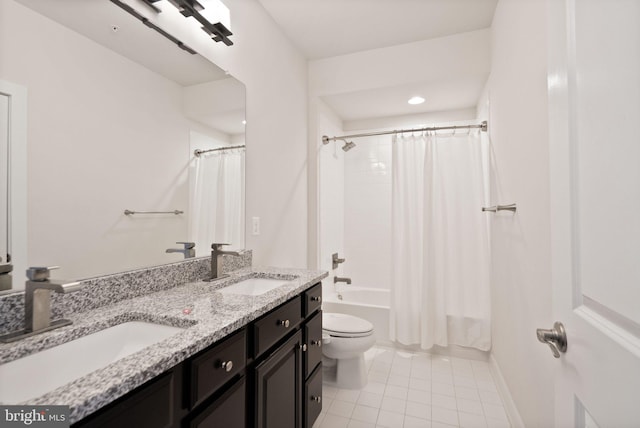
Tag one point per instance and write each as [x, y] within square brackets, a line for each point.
[594, 99]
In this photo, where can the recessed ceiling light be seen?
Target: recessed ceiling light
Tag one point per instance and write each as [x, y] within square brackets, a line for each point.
[415, 100]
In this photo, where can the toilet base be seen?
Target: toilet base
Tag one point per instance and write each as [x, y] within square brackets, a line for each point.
[346, 373]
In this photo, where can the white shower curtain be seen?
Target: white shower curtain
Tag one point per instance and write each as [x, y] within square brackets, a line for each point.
[217, 203]
[440, 267]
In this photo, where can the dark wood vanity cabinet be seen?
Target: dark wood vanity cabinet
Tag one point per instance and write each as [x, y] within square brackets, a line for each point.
[265, 375]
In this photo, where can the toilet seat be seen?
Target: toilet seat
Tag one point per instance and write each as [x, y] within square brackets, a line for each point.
[342, 325]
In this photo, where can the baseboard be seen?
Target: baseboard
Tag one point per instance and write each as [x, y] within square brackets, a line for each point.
[503, 389]
[449, 351]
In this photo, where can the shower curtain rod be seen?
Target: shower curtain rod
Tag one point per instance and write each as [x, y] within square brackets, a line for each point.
[198, 152]
[482, 126]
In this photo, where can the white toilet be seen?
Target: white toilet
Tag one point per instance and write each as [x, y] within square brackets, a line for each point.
[345, 340]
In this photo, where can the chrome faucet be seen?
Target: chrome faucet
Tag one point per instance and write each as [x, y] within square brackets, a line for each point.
[37, 303]
[337, 279]
[216, 260]
[335, 261]
[188, 251]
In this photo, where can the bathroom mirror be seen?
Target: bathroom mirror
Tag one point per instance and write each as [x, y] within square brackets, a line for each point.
[114, 114]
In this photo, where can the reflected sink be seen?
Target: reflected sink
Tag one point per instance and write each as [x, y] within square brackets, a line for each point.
[253, 286]
[36, 374]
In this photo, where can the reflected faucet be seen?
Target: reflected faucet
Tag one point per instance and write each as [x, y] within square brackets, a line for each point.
[188, 251]
[216, 260]
[37, 303]
[5, 275]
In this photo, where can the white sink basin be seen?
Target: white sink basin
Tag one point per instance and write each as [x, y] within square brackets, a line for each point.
[39, 373]
[253, 286]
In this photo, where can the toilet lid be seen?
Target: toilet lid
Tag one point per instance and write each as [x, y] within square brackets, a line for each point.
[342, 325]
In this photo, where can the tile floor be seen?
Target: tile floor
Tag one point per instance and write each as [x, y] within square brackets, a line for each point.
[416, 390]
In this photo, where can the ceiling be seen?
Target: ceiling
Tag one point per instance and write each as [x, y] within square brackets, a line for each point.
[444, 95]
[325, 28]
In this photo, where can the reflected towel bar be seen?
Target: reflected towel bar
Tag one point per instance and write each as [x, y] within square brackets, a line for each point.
[496, 208]
[129, 212]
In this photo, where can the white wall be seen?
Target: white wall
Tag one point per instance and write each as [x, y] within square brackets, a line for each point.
[410, 120]
[515, 103]
[367, 213]
[428, 60]
[4, 178]
[331, 197]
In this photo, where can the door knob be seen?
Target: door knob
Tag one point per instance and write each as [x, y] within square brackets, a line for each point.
[556, 338]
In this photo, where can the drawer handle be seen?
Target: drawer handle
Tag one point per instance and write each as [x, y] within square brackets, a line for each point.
[303, 347]
[227, 365]
[316, 398]
[284, 323]
[316, 298]
[317, 343]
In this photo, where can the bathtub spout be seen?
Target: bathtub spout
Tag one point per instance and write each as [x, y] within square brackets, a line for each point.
[337, 279]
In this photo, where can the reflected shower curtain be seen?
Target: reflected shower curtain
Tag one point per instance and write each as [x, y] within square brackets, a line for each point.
[217, 205]
[440, 267]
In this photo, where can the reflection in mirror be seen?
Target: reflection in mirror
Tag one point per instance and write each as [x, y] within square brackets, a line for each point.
[115, 113]
[13, 203]
[217, 194]
[5, 267]
[216, 176]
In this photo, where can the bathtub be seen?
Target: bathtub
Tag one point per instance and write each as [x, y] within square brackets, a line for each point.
[371, 304]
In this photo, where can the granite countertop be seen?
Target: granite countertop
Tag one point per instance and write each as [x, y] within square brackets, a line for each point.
[207, 314]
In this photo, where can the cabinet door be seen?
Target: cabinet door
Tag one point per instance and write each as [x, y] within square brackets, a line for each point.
[313, 397]
[228, 411]
[313, 340]
[279, 387]
[150, 406]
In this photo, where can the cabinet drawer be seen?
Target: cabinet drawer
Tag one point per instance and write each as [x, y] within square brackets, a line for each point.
[228, 411]
[275, 325]
[313, 397]
[313, 340]
[216, 366]
[312, 299]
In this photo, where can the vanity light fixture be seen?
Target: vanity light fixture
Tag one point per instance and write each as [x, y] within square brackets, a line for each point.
[205, 12]
[416, 100]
